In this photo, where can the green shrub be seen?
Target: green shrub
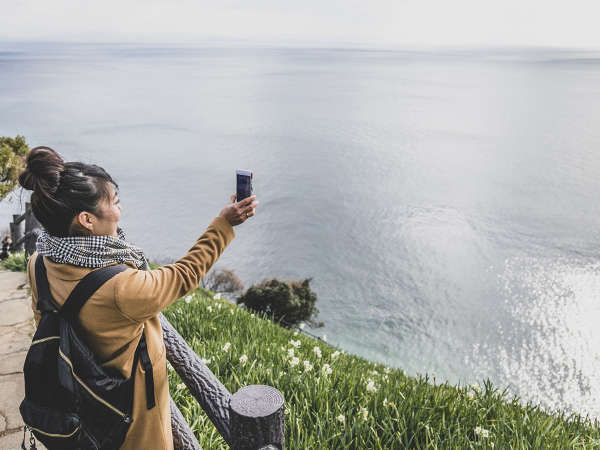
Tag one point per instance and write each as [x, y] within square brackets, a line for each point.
[286, 302]
[16, 262]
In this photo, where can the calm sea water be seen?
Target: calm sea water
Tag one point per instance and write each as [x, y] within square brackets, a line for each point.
[444, 203]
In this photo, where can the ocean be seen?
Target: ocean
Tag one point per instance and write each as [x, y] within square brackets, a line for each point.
[444, 202]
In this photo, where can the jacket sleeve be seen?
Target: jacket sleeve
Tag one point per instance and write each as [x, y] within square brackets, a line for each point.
[141, 294]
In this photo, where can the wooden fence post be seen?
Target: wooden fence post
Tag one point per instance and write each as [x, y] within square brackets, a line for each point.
[257, 418]
[252, 418]
[206, 388]
[17, 231]
[32, 229]
[183, 437]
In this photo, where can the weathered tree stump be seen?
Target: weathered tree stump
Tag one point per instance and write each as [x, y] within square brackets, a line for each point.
[256, 415]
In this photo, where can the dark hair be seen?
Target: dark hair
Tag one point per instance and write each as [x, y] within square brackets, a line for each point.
[61, 190]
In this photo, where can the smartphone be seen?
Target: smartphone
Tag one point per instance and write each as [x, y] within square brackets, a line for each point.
[244, 184]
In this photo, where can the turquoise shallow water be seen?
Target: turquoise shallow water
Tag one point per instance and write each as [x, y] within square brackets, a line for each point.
[445, 203]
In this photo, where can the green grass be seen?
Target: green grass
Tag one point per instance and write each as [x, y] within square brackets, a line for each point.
[382, 408]
[16, 262]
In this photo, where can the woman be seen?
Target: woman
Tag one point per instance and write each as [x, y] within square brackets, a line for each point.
[78, 205]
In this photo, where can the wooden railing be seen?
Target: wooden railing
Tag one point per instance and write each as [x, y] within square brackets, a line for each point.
[250, 419]
[24, 230]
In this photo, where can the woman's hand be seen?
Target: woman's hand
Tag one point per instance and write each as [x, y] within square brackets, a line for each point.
[237, 213]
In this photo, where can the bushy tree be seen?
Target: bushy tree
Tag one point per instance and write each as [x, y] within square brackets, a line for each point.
[286, 302]
[12, 162]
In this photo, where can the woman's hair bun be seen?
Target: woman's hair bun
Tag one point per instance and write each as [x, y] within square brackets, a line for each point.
[42, 173]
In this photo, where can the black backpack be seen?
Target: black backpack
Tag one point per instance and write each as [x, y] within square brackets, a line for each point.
[71, 401]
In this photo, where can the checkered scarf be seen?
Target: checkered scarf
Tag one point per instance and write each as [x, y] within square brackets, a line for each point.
[90, 251]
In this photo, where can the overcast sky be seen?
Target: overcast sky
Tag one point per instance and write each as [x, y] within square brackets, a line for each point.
[564, 23]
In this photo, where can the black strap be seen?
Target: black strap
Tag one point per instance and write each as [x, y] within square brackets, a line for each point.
[147, 365]
[45, 301]
[85, 289]
[82, 292]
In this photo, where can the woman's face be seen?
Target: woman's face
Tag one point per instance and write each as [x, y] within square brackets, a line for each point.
[106, 219]
[108, 215]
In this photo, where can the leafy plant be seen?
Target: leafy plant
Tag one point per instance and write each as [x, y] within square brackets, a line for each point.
[16, 262]
[12, 162]
[287, 302]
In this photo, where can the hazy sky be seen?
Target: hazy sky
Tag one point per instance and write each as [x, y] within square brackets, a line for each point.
[564, 23]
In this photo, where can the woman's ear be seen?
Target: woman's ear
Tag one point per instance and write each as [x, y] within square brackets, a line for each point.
[85, 220]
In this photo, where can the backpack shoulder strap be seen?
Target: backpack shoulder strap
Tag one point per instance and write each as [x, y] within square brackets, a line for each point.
[45, 301]
[86, 288]
[81, 293]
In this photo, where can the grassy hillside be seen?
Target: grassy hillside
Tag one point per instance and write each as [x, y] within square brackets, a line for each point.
[339, 401]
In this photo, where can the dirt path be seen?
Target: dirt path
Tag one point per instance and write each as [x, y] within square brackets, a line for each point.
[16, 329]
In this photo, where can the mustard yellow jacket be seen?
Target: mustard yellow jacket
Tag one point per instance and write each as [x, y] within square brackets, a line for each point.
[115, 316]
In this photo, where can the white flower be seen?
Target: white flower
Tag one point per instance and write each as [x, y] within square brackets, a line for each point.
[294, 361]
[335, 354]
[324, 337]
[385, 402]
[295, 343]
[169, 366]
[326, 369]
[282, 373]
[217, 296]
[243, 360]
[307, 366]
[180, 386]
[317, 351]
[386, 378]
[479, 431]
[374, 372]
[291, 352]
[475, 387]
[387, 370]
[301, 326]
[205, 361]
[188, 299]
[226, 347]
[252, 315]
[231, 311]
[371, 386]
[219, 306]
[341, 419]
[209, 308]
[296, 333]
[364, 413]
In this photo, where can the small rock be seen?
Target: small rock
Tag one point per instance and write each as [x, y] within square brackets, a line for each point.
[15, 312]
[12, 392]
[12, 362]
